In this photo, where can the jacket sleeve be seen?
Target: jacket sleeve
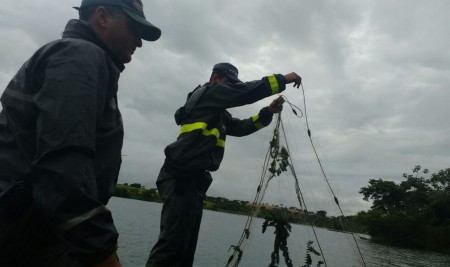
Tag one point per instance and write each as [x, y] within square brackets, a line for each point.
[237, 127]
[229, 95]
[69, 107]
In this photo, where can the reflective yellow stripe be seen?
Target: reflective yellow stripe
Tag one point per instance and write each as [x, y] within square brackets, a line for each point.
[258, 125]
[220, 143]
[202, 126]
[273, 84]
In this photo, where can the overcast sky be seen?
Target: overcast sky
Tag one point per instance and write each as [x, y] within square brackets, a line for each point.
[375, 74]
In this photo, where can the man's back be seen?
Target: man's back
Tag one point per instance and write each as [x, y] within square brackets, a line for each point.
[58, 78]
[61, 124]
[206, 124]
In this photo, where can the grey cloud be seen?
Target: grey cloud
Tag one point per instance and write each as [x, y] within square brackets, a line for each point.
[375, 77]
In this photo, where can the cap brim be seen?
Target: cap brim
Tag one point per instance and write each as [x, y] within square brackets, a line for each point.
[234, 79]
[147, 31]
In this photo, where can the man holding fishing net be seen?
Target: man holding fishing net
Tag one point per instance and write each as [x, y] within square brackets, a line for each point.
[185, 176]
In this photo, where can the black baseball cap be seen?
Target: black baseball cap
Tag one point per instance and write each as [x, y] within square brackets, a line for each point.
[228, 70]
[134, 9]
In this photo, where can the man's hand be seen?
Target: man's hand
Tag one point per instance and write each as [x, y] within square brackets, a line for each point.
[293, 78]
[277, 105]
[111, 261]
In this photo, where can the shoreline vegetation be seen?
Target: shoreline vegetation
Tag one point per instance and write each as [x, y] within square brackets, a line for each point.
[239, 207]
[414, 213]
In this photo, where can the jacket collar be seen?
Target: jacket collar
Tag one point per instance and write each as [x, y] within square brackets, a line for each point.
[82, 30]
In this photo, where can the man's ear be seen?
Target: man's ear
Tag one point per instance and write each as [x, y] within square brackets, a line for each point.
[100, 17]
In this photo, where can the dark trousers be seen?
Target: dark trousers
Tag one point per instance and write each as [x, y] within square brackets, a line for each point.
[183, 194]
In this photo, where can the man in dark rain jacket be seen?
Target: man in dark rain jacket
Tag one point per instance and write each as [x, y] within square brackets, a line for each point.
[61, 137]
[199, 149]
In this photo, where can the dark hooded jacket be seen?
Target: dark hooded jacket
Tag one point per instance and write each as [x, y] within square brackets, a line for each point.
[61, 134]
[205, 122]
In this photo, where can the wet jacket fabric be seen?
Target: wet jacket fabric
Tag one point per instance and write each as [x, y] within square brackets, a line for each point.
[61, 136]
[205, 122]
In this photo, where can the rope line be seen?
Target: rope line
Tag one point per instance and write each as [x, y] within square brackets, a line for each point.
[235, 258]
[300, 194]
[325, 176]
[260, 192]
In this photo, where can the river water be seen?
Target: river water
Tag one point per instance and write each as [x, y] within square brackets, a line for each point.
[138, 225]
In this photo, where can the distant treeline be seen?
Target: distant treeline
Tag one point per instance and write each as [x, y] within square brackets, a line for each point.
[136, 191]
[319, 218]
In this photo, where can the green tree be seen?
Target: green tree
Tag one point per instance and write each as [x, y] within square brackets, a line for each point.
[150, 195]
[414, 213]
[135, 185]
[386, 195]
[440, 181]
[321, 213]
[121, 191]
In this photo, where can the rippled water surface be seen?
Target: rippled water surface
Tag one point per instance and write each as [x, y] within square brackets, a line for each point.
[138, 225]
